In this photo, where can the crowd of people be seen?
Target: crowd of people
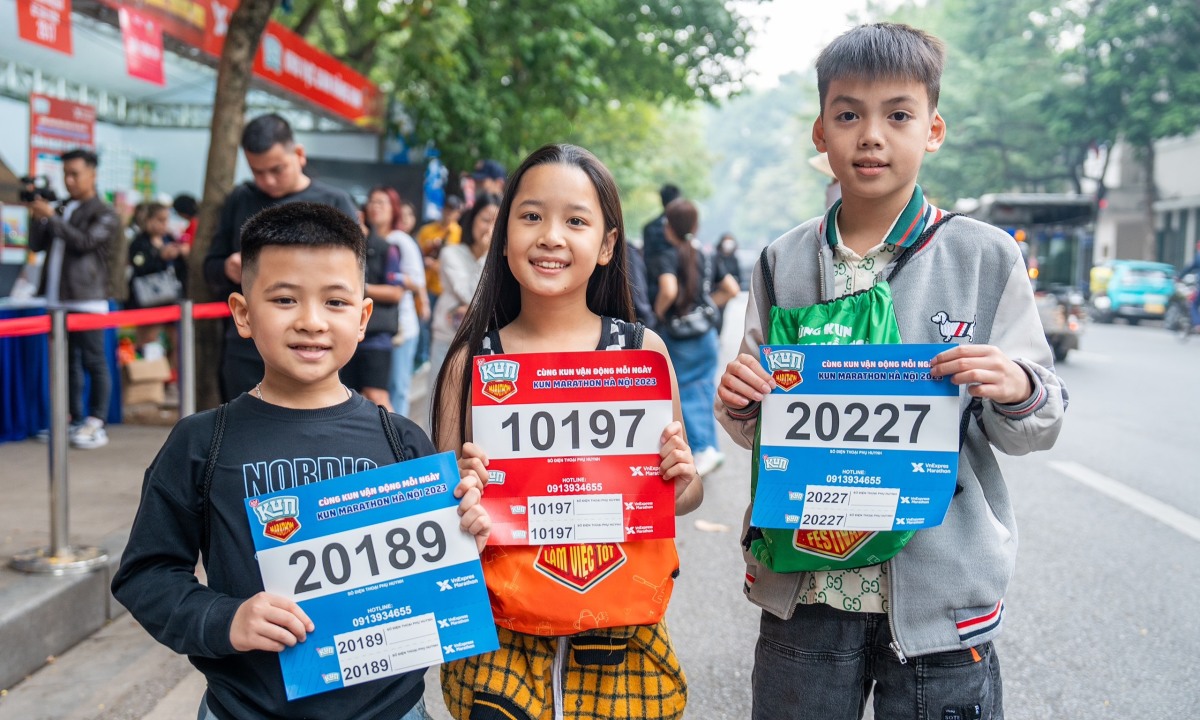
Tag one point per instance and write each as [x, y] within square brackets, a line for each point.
[328, 299]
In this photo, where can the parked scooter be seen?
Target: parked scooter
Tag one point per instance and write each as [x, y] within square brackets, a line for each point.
[1178, 318]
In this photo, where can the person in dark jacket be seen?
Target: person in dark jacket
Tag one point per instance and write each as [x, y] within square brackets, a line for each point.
[277, 162]
[77, 237]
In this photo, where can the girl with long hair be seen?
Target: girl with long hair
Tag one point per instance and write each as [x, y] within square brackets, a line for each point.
[555, 280]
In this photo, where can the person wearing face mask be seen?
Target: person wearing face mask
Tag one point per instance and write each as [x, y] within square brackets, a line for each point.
[726, 265]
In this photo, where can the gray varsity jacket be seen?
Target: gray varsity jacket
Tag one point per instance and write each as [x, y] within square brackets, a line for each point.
[968, 281]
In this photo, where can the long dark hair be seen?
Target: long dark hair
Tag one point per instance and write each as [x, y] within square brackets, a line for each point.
[467, 223]
[497, 300]
[684, 219]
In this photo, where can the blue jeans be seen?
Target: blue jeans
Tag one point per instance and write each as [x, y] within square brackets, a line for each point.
[823, 663]
[402, 372]
[417, 712]
[695, 362]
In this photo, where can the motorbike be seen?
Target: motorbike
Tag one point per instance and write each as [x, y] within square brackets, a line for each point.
[1063, 314]
[1178, 318]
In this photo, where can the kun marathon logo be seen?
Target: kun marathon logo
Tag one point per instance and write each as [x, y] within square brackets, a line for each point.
[774, 462]
[786, 367]
[278, 516]
[499, 378]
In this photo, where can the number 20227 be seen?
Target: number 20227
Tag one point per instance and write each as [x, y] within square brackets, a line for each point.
[828, 422]
[543, 428]
[335, 566]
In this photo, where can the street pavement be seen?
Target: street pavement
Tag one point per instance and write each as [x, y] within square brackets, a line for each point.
[1099, 622]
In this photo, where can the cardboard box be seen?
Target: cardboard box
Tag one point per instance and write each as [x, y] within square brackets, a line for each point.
[145, 381]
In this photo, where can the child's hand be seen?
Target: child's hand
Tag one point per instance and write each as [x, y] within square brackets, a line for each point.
[986, 371]
[677, 465]
[745, 381]
[472, 467]
[268, 622]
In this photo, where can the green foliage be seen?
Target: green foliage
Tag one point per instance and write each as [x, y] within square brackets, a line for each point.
[498, 78]
[1136, 70]
[762, 143]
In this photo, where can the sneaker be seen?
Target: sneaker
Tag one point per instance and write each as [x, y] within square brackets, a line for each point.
[708, 460]
[90, 436]
[43, 435]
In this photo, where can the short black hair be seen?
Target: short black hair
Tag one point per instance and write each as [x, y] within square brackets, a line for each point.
[668, 193]
[265, 132]
[186, 206]
[883, 51]
[301, 224]
[88, 157]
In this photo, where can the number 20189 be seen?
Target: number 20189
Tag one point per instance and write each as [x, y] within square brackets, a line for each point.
[335, 564]
[828, 417]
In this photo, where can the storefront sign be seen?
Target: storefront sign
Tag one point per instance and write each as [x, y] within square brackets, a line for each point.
[46, 23]
[56, 126]
[284, 58]
[143, 46]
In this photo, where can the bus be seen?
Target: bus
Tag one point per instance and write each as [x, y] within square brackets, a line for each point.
[1055, 234]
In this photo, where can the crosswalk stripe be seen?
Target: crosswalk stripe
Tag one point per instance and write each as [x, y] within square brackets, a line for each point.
[1156, 509]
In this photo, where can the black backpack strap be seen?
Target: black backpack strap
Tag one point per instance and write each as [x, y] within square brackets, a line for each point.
[393, 438]
[908, 253]
[637, 335]
[768, 277]
[210, 467]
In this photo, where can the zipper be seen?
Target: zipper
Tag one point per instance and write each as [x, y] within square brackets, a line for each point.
[821, 269]
[895, 643]
[558, 675]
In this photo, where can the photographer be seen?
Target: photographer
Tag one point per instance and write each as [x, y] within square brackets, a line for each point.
[77, 236]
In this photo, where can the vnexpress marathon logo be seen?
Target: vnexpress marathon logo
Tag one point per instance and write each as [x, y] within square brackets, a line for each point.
[499, 378]
[786, 367]
[278, 516]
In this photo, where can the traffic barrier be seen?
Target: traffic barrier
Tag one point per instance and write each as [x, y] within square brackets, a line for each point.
[60, 558]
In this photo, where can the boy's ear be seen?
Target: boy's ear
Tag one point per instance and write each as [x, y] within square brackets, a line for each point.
[241, 314]
[818, 135]
[937, 133]
[606, 248]
[368, 308]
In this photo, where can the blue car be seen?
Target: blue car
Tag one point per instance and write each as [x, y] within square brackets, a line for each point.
[1137, 290]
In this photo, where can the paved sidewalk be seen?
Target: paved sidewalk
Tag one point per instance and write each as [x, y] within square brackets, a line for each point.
[43, 616]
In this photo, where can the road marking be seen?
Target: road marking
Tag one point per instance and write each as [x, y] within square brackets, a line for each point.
[1143, 503]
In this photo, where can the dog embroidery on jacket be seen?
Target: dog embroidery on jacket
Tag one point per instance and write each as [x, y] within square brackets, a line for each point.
[951, 329]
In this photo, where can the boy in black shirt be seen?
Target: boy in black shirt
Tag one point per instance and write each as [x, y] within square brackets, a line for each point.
[304, 307]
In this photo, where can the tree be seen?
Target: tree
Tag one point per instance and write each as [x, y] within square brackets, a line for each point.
[1136, 72]
[246, 27]
[998, 98]
[498, 78]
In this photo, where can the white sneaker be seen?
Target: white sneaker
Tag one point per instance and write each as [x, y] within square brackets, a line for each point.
[708, 460]
[90, 435]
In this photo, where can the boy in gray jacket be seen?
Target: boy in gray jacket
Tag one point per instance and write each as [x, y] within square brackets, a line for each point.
[917, 629]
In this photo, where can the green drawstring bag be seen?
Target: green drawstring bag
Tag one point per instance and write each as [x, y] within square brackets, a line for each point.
[865, 317]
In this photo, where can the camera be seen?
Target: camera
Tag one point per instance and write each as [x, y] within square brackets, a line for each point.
[37, 186]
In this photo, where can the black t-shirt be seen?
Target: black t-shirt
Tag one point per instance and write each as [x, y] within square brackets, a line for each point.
[670, 264]
[265, 448]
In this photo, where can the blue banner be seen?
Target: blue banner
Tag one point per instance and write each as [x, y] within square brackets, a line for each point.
[379, 563]
[855, 437]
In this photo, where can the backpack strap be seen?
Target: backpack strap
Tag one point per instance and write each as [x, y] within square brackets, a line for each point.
[393, 438]
[210, 467]
[908, 253]
[637, 335]
[768, 277]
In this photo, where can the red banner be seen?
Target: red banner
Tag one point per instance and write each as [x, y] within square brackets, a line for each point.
[56, 126]
[284, 58]
[143, 46]
[289, 62]
[572, 441]
[46, 23]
